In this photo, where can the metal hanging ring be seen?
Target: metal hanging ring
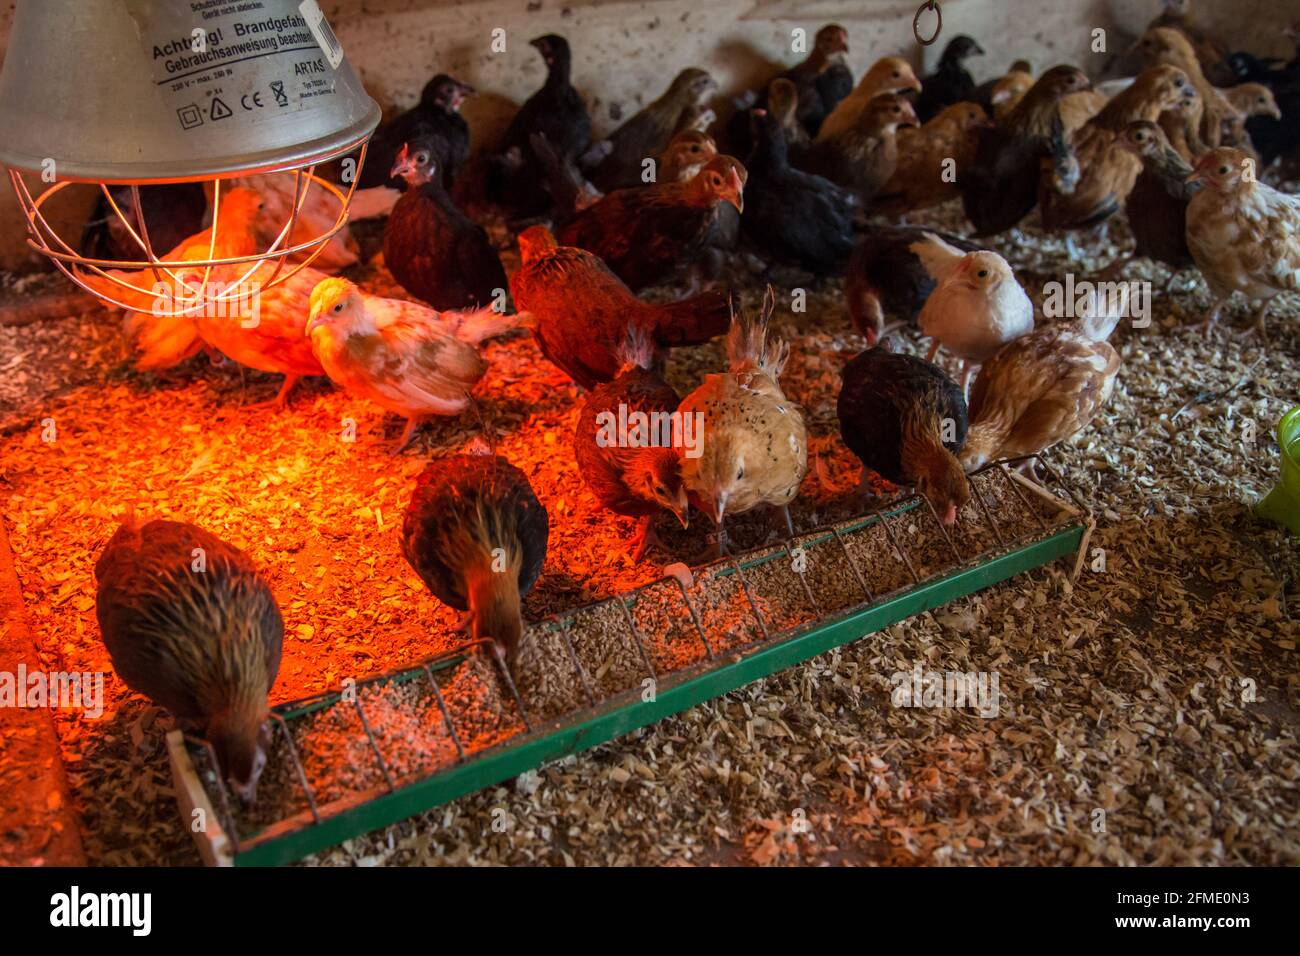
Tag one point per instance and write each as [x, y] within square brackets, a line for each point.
[916, 22]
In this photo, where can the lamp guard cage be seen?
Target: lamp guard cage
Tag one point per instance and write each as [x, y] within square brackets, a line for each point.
[326, 823]
[45, 239]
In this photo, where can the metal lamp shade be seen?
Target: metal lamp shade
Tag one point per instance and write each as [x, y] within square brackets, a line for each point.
[126, 91]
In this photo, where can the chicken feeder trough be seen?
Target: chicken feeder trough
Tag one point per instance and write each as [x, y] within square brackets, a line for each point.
[369, 754]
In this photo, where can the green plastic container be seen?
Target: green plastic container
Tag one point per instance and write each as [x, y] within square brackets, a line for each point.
[1283, 502]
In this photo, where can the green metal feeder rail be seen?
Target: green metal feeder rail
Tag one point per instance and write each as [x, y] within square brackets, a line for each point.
[1056, 524]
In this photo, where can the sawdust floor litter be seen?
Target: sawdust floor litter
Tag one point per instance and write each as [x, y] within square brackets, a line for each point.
[1122, 692]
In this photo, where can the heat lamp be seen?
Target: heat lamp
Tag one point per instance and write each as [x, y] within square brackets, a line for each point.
[128, 93]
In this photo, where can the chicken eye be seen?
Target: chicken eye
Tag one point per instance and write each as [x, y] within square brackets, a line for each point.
[896, 74]
[1224, 170]
[422, 158]
[983, 273]
[338, 307]
[740, 473]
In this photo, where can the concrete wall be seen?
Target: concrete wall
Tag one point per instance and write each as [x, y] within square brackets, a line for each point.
[626, 51]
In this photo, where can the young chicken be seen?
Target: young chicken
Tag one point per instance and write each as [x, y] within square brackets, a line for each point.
[1107, 170]
[755, 447]
[476, 535]
[890, 75]
[1164, 45]
[642, 476]
[434, 251]
[1001, 186]
[435, 118]
[582, 312]
[793, 214]
[906, 420]
[1243, 233]
[1157, 204]
[644, 233]
[864, 158]
[950, 83]
[189, 623]
[1274, 138]
[688, 152]
[557, 112]
[886, 278]
[1250, 100]
[783, 103]
[978, 306]
[1008, 90]
[1044, 387]
[1210, 53]
[921, 179]
[642, 136]
[823, 79]
[317, 214]
[402, 356]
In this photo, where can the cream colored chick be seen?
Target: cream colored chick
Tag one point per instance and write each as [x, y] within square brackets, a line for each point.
[890, 75]
[977, 307]
[755, 444]
[402, 356]
[1243, 234]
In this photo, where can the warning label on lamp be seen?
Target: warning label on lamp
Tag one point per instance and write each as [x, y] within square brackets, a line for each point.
[233, 62]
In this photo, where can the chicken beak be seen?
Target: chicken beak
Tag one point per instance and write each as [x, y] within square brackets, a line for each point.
[736, 195]
[950, 514]
[403, 166]
[1196, 176]
[246, 792]
[682, 509]
[913, 84]
[720, 507]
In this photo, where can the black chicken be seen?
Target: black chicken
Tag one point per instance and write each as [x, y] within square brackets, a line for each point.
[791, 213]
[557, 112]
[172, 212]
[1157, 204]
[189, 623]
[641, 475]
[949, 83]
[436, 120]
[433, 250]
[475, 533]
[886, 278]
[906, 420]
[1272, 138]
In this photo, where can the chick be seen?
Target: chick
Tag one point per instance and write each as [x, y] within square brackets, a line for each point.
[436, 117]
[318, 213]
[638, 474]
[906, 420]
[1165, 45]
[1210, 53]
[823, 79]
[950, 83]
[1251, 101]
[1157, 205]
[583, 313]
[755, 448]
[977, 307]
[1243, 233]
[645, 233]
[783, 103]
[1044, 387]
[931, 160]
[865, 157]
[648, 131]
[189, 623]
[402, 356]
[434, 250]
[686, 154]
[1009, 89]
[476, 535]
[892, 74]
[794, 214]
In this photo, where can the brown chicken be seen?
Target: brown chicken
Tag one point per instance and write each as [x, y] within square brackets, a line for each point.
[189, 623]
[685, 155]
[865, 157]
[476, 535]
[582, 312]
[931, 160]
[755, 448]
[1249, 100]
[1107, 170]
[1157, 204]
[645, 233]
[1078, 108]
[892, 74]
[1043, 387]
[783, 103]
[626, 446]
[1010, 89]
[1164, 45]
[648, 131]
[1210, 53]
[822, 80]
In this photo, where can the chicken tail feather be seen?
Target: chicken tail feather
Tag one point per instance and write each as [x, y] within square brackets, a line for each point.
[1104, 314]
[475, 327]
[748, 343]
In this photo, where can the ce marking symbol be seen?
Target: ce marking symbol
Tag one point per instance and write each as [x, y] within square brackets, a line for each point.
[255, 98]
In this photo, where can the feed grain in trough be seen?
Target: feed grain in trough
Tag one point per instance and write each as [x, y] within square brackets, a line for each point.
[368, 754]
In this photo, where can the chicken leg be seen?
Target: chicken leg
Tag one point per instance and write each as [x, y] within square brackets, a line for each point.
[408, 435]
[645, 538]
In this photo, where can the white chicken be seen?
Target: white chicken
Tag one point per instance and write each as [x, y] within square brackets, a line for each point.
[1243, 234]
[977, 307]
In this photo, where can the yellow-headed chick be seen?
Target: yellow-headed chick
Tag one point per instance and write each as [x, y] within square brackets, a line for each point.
[476, 534]
[1243, 234]
[402, 356]
[755, 445]
[891, 74]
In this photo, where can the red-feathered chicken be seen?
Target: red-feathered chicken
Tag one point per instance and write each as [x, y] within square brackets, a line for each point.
[434, 250]
[644, 233]
[582, 312]
[476, 534]
[189, 623]
[637, 473]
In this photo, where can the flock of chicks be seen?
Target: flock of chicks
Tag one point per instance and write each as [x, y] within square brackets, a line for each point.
[188, 621]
